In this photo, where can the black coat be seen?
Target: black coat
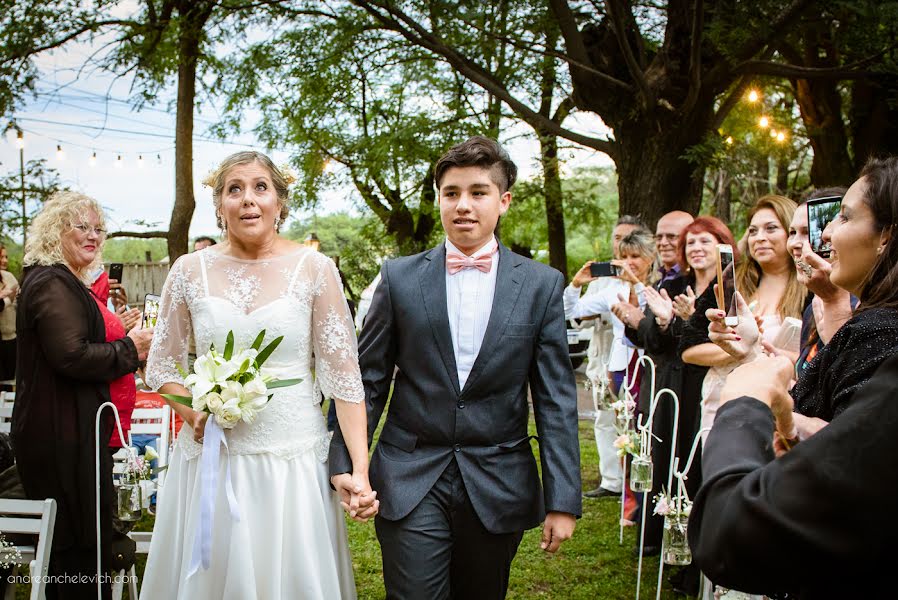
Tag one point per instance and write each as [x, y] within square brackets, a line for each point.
[484, 425]
[62, 377]
[818, 520]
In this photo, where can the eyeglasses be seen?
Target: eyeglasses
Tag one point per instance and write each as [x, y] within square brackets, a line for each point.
[87, 229]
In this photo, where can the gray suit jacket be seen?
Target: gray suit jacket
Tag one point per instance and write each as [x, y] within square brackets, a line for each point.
[484, 425]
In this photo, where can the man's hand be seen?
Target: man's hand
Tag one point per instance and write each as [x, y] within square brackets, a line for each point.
[558, 527]
[661, 305]
[356, 496]
[766, 378]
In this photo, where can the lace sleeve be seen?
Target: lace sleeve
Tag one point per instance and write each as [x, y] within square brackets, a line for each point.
[171, 339]
[333, 336]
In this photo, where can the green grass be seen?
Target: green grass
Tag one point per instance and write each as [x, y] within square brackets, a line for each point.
[592, 565]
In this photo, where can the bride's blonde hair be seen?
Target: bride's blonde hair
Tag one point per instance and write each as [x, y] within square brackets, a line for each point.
[281, 180]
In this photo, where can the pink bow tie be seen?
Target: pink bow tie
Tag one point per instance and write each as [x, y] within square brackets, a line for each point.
[455, 262]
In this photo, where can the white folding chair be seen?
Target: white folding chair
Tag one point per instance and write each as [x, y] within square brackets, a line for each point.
[7, 398]
[5, 418]
[154, 421]
[31, 517]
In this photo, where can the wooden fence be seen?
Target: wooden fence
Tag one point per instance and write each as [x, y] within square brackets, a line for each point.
[140, 279]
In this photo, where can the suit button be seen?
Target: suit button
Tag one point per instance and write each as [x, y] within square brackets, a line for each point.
[461, 404]
[457, 447]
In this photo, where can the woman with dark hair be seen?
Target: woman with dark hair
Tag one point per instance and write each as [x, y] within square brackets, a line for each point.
[791, 524]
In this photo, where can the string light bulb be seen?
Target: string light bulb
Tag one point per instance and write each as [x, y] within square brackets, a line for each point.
[118, 162]
[753, 96]
[763, 122]
[781, 137]
[140, 161]
[773, 133]
[729, 140]
[60, 155]
[92, 161]
[20, 139]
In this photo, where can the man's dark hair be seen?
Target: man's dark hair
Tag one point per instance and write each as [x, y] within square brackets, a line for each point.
[631, 220]
[479, 151]
[205, 238]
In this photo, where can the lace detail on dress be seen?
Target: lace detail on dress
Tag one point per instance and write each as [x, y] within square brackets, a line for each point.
[246, 297]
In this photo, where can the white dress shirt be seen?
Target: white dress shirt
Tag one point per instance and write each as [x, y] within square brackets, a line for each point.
[600, 303]
[469, 300]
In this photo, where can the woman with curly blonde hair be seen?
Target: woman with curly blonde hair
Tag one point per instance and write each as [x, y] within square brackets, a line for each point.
[71, 349]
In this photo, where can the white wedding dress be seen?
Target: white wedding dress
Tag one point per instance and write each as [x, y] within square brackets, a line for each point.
[290, 542]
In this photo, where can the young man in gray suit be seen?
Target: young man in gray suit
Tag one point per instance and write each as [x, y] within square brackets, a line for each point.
[468, 324]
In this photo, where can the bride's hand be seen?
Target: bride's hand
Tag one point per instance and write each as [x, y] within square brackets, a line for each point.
[356, 496]
[199, 425]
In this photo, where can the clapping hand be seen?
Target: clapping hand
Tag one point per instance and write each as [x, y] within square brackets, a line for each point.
[129, 317]
[356, 496]
[628, 314]
[684, 304]
[661, 306]
[740, 341]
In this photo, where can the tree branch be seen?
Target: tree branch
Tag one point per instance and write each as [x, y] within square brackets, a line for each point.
[616, 11]
[764, 67]
[777, 30]
[74, 34]
[416, 34]
[138, 234]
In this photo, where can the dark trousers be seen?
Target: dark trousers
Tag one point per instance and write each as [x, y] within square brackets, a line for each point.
[442, 551]
[79, 567]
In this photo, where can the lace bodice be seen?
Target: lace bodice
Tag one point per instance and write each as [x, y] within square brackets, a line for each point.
[298, 296]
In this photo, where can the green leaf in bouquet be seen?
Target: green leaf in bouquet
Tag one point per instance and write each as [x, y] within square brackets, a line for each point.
[266, 352]
[257, 343]
[229, 346]
[185, 400]
[273, 385]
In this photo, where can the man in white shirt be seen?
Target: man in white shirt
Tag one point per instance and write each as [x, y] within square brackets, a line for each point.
[470, 326]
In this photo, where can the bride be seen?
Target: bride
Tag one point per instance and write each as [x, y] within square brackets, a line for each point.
[284, 537]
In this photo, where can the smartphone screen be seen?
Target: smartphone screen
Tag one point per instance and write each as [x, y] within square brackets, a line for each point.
[603, 269]
[820, 213]
[115, 271]
[150, 310]
[726, 282]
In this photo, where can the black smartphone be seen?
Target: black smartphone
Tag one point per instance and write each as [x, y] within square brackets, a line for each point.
[726, 284]
[603, 269]
[821, 211]
[150, 310]
[115, 271]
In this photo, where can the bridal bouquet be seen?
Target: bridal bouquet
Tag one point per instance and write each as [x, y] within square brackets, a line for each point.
[230, 386]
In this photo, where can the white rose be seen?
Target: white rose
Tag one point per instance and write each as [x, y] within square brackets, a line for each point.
[214, 402]
[229, 415]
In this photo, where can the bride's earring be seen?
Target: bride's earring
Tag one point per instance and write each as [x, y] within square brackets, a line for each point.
[277, 223]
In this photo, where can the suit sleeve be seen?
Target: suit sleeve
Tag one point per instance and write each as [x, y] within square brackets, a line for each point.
[554, 394]
[762, 525]
[377, 361]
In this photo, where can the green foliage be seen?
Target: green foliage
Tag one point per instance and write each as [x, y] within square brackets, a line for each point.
[590, 211]
[40, 183]
[134, 250]
[359, 243]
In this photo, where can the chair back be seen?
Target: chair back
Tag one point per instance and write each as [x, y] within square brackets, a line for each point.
[5, 419]
[31, 517]
[154, 421]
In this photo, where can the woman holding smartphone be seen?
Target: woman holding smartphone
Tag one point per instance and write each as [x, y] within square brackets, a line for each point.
[766, 278]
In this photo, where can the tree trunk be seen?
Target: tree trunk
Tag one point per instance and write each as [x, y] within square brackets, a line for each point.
[554, 202]
[723, 196]
[193, 16]
[874, 120]
[820, 104]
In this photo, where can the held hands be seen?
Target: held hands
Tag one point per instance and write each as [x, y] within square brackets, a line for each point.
[558, 527]
[356, 496]
[661, 305]
[741, 341]
[684, 304]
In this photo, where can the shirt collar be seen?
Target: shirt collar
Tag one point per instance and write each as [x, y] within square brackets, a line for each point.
[450, 247]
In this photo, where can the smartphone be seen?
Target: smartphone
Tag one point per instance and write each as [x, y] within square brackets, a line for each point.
[603, 269]
[150, 310]
[821, 212]
[115, 271]
[726, 284]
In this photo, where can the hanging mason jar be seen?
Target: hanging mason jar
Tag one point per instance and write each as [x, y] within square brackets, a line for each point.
[641, 474]
[129, 501]
[676, 546]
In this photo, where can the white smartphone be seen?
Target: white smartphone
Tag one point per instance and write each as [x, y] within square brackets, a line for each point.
[726, 284]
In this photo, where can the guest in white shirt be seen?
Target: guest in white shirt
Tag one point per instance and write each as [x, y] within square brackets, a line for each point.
[636, 262]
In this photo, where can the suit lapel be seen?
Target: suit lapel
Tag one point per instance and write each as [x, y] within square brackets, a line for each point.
[508, 287]
[432, 278]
